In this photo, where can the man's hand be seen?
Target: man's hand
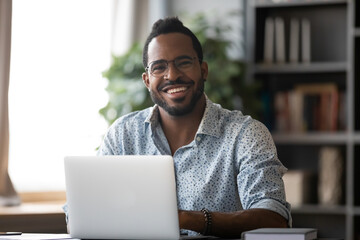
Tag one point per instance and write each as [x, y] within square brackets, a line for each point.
[231, 225]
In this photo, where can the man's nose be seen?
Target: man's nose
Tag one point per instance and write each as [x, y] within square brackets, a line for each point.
[172, 72]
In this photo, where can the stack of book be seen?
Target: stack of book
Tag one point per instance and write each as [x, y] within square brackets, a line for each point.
[299, 41]
[309, 107]
[326, 188]
[300, 187]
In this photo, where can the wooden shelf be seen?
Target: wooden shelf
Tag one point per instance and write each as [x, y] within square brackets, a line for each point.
[319, 209]
[357, 211]
[357, 138]
[356, 32]
[315, 67]
[295, 3]
[311, 138]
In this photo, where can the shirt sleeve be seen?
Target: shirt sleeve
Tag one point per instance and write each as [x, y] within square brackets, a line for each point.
[66, 211]
[260, 175]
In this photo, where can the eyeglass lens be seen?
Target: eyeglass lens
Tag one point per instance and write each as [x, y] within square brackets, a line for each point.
[182, 63]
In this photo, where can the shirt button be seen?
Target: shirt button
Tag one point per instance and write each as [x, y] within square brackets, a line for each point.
[198, 139]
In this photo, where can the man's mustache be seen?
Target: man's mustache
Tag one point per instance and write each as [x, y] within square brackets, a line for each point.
[176, 82]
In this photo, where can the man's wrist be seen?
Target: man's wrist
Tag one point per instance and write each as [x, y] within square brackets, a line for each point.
[191, 220]
[208, 222]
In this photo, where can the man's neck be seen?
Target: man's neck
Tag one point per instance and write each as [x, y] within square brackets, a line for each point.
[181, 130]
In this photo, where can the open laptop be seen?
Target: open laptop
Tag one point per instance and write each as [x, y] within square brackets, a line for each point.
[121, 197]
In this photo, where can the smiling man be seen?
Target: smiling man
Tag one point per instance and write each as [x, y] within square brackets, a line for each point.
[229, 178]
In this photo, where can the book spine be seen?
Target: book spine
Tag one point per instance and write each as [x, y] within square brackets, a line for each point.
[269, 40]
[280, 40]
[305, 40]
[294, 40]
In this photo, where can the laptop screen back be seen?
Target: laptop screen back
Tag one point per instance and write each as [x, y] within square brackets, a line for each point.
[122, 197]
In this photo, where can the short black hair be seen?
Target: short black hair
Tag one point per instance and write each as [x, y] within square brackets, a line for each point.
[171, 25]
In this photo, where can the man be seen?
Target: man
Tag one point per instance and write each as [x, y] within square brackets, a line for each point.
[229, 178]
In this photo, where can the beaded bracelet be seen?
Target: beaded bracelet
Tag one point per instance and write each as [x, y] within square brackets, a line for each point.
[208, 222]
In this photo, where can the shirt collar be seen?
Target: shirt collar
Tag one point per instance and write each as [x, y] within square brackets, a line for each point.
[209, 125]
[153, 118]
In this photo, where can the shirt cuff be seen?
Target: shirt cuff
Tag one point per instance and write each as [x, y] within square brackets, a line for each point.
[275, 206]
[66, 211]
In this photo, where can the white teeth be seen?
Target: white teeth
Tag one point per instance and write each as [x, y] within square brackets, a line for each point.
[175, 90]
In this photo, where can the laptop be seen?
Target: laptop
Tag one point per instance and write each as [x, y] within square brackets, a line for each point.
[121, 197]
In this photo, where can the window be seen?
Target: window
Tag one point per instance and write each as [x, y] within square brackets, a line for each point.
[59, 49]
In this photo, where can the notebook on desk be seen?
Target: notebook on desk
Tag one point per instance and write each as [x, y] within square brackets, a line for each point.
[121, 197]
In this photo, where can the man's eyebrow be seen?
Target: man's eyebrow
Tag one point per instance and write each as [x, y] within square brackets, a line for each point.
[164, 60]
[183, 56]
[159, 60]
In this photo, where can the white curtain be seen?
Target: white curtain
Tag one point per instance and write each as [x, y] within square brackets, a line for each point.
[128, 24]
[8, 195]
[132, 21]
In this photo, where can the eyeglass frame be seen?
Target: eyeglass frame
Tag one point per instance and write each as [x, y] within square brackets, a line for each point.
[167, 63]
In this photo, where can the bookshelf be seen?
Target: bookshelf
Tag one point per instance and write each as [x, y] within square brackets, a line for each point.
[335, 60]
[317, 67]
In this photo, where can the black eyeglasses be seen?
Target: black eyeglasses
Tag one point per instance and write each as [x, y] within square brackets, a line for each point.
[158, 68]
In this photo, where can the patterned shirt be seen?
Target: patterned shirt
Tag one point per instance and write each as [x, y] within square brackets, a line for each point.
[230, 165]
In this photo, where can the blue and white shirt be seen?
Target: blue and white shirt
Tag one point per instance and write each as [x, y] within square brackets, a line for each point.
[231, 164]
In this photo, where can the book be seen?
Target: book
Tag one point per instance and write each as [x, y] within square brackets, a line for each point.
[269, 40]
[305, 40]
[279, 40]
[296, 109]
[299, 187]
[280, 234]
[310, 112]
[322, 105]
[294, 40]
[331, 168]
[281, 107]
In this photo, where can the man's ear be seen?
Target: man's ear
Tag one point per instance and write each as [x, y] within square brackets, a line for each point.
[204, 70]
[145, 78]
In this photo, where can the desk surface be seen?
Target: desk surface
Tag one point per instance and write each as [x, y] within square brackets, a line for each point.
[33, 208]
[42, 217]
[36, 236]
[31, 236]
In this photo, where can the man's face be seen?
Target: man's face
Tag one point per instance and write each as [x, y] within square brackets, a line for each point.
[176, 90]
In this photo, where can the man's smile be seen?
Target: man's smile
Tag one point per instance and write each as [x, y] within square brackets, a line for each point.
[176, 93]
[176, 90]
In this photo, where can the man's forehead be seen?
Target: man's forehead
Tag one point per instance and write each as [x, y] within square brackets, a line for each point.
[170, 45]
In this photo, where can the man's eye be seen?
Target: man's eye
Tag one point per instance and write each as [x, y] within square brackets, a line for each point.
[184, 63]
[158, 68]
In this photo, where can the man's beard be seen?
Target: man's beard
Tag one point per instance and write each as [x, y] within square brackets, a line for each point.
[178, 111]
